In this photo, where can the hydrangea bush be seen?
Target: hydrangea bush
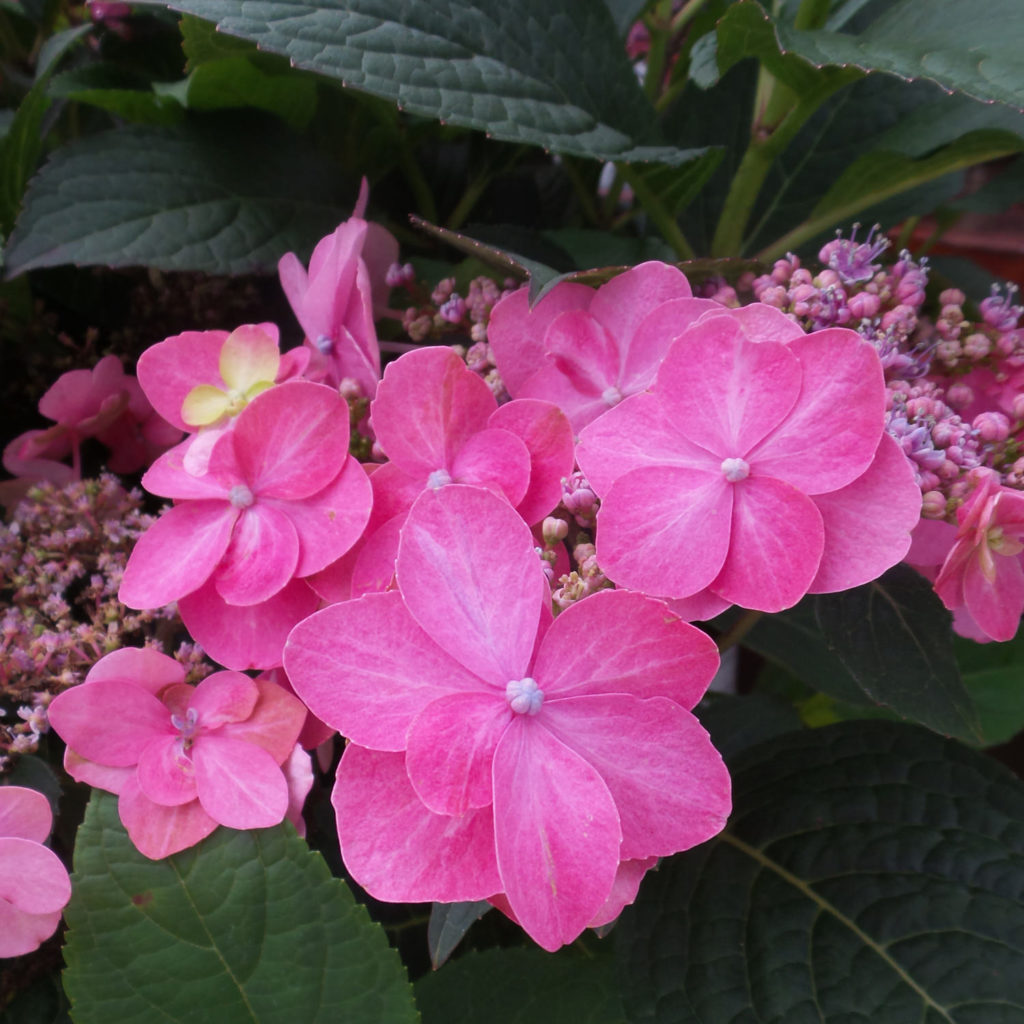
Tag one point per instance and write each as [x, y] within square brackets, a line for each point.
[573, 628]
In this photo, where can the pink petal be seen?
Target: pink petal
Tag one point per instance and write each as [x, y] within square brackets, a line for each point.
[241, 637]
[298, 773]
[222, 698]
[165, 774]
[177, 554]
[654, 336]
[21, 933]
[670, 785]
[627, 884]
[996, 606]
[775, 548]
[398, 850]
[329, 522]
[141, 666]
[868, 522]
[24, 814]
[516, 333]
[275, 722]
[456, 542]
[619, 641]
[546, 432]
[292, 440]
[831, 435]
[169, 370]
[169, 478]
[639, 432]
[665, 530]
[390, 667]
[99, 776]
[374, 569]
[495, 459]
[700, 607]
[261, 557]
[159, 831]
[109, 721]
[450, 748]
[724, 392]
[759, 322]
[427, 407]
[623, 302]
[557, 833]
[239, 784]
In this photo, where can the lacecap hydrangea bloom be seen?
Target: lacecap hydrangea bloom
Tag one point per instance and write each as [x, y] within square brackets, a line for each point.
[495, 753]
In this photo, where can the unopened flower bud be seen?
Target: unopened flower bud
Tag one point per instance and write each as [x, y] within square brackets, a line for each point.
[933, 505]
[991, 426]
[554, 530]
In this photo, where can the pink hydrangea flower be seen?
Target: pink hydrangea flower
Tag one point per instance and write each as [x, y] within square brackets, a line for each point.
[34, 884]
[983, 571]
[334, 302]
[495, 752]
[182, 759]
[586, 350]
[739, 475]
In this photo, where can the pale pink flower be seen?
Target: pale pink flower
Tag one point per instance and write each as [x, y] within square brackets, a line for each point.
[587, 350]
[983, 570]
[493, 751]
[745, 464]
[34, 884]
[182, 759]
[334, 302]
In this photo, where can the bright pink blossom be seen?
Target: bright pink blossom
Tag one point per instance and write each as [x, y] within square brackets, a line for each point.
[334, 302]
[983, 571]
[584, 350]
[34, 884]
[745, 463]
[493, 751]
[182, 759]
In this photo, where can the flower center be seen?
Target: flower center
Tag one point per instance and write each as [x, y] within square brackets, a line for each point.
[524, 696]
[324, 345]
[735, 470]
[187, 726]
[438, 479]
[240, 496]
[611, 396]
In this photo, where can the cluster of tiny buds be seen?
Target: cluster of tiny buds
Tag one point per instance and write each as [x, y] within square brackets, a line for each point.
[579, 500]
[445, 311]
[584, 580]
[995, 340]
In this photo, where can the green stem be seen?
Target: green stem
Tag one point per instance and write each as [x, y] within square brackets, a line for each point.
[740, 628]
[685, 15]
[583, 189]
[658, 212]
[659, 36]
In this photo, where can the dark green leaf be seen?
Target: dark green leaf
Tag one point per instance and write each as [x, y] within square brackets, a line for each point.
[994, 677]
[736, 723]
[552, 73]
[202, 42]
[871, 871]
[894, 639]
[127, 96]
[246, 927]
[448, 925]
[522, 986]
[626, 12]
[223, 195]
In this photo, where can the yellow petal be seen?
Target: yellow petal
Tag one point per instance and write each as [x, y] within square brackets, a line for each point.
[248, 356]
[204, 405]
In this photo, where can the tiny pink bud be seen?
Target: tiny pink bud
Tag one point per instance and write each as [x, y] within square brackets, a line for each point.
[554, 530]
[991, 426]
[933, 505]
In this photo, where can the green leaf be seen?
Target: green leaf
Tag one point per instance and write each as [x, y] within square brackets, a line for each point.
[736, 723]
[552, 73]
[992, 674]
[127, 96]
[871, 871]
[202, 42]
[246, 927]
[893, 637]
[224, 195]
[626, 12]
[448, 925]
[522, 986]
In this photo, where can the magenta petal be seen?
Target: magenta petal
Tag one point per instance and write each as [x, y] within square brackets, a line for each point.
[245, 636]
[329, 522]
[177, 554]
[995, 605]
[775, 549]
[515, 332]
[868, 522]
[831, 435]
[24, 814]
[223, 697]
[653, 337]
[623, 302]
[261, 557]
[159, 831]
[33, 878]
[109, 721]
[627, 884]
[669, 784]
[619, 641]
[391, 669]
[21, 933]
[239, 785]
[557, 833]
[99, 776]
[168, 371]
[700, 607]
[374, 569]
[292, 440]
[165, 773]
[456, 542]
[546, 432]
[427, 406]
[450, 748]
[665, 530]
[169, 478]
[759, 322]
[495, 459]
[724, 392]
[396, 848]
[141, 666]
[275, 721]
